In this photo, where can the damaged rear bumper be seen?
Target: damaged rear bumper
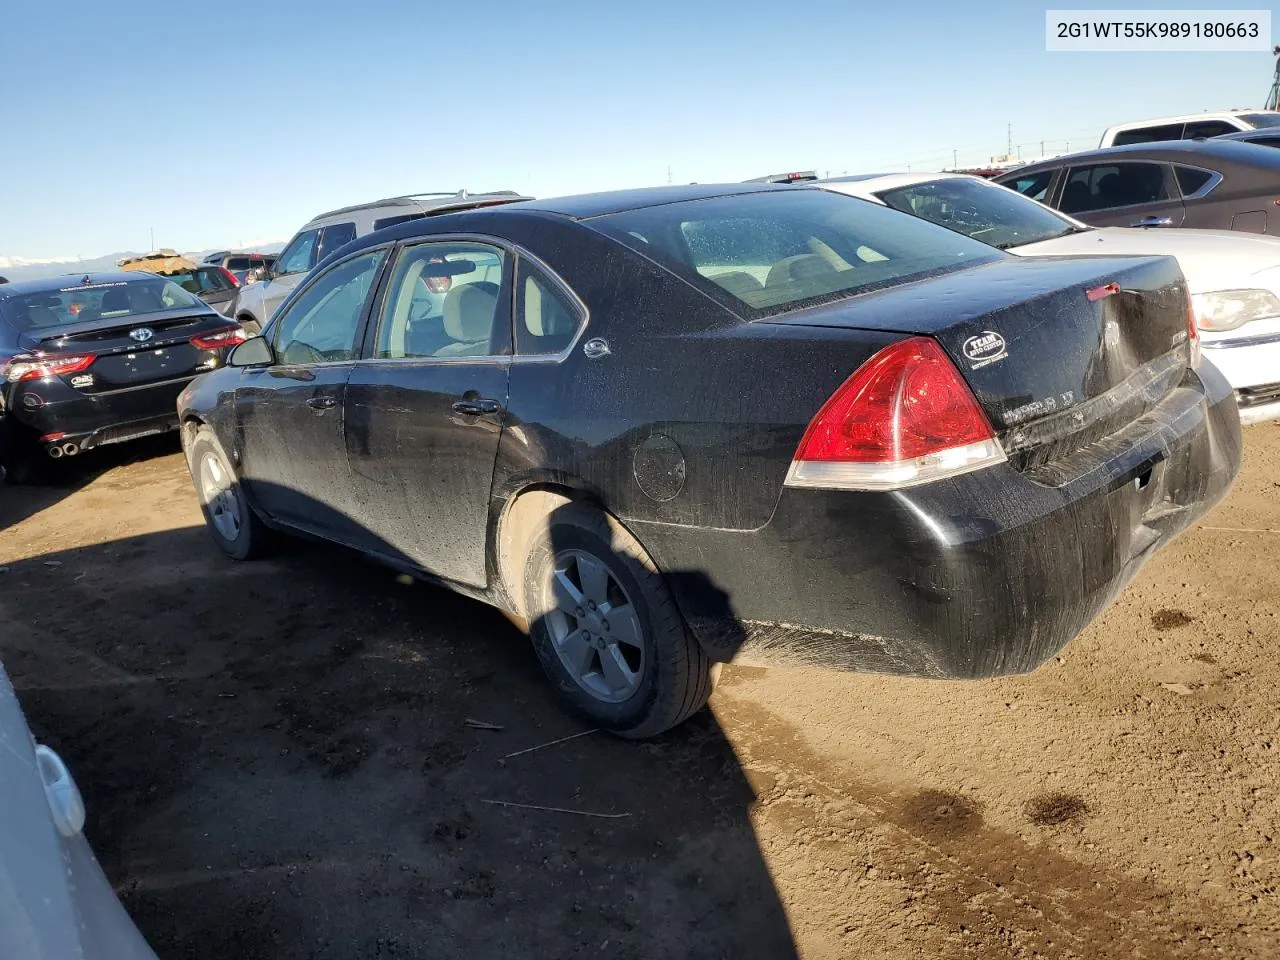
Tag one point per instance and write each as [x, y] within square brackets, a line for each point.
[980, 575]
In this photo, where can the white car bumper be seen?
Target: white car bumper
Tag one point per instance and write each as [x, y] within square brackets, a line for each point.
[1252, 366]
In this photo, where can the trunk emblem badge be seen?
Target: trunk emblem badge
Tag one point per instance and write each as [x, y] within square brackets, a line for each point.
[985, 348]
[142, 334]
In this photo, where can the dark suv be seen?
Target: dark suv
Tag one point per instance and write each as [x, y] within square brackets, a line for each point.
[1214, 184]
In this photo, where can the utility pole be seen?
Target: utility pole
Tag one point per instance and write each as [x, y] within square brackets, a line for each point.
[1009, 152]
[668, 175]
[955, 159]
[1042, 148]
[153, 238]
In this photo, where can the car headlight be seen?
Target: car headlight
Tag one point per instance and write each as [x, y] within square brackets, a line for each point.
[1229, 309]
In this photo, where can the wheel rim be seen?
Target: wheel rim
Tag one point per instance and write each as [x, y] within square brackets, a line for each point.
[594, 627]
[220, 496]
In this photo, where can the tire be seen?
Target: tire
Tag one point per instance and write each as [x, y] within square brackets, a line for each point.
[23, 468]
[668, 675]
[231, 521]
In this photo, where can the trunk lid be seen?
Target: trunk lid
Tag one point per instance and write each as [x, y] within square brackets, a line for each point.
[1059, 352]
[131, 351]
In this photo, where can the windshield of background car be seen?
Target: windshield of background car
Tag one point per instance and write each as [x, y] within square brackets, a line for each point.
[774, 251]
[87, 302]
[980, 210]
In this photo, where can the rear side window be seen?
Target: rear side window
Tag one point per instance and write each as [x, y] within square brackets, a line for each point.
[1191, 180]
[334, 237]
[546, 322]
[1033, 185]
[1166, 131]
[1103, 186]
[775, 250]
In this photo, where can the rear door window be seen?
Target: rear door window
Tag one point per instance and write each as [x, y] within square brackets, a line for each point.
[334, 237]
[443, 300]
[300, 255]
[1166, 131]
[1107, 185]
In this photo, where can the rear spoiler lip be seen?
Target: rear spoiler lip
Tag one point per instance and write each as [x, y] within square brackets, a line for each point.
[32, 339]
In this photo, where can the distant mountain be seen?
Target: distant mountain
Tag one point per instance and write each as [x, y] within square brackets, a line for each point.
[14, 269]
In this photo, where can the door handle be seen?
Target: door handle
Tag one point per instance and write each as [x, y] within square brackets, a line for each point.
[476, 408]
[1153, 222]
[322, 403]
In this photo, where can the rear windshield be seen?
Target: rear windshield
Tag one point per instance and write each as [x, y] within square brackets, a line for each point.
[87, 302]
[775, 251]
[981, 210]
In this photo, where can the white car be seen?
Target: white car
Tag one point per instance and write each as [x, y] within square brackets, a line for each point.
[1188, 126]
[55, 901]
[1234, 278]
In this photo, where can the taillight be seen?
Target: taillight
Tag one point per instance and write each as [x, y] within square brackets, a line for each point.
[38, 368]
[905, 417]
[231, 277]
[228, 337]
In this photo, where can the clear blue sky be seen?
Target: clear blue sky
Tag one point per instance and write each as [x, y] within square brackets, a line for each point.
[220, 123]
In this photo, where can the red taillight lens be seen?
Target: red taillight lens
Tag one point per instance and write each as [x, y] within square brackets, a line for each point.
[218, 339]
[230, 276]
[37, 368]
[906, 416]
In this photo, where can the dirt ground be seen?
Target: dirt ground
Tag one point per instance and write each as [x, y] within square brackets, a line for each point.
[277, 762]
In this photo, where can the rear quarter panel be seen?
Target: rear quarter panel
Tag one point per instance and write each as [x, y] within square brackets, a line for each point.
[692, 417]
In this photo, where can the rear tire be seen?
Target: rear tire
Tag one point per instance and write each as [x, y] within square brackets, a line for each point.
[606, 628]
[231, 521]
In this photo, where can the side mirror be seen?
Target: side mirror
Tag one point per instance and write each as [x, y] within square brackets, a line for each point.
[255, 352]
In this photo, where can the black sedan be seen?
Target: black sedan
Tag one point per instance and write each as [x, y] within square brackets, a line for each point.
[672, 427]
[97, 359]
[1213, 184]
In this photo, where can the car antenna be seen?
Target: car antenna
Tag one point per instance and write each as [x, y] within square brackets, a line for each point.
[87, 279]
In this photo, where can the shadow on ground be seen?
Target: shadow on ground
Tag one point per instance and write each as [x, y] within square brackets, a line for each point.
[281, 760]
[55, 480]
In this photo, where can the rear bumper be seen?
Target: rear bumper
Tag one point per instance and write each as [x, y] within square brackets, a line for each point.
[91, 420]
[981, 575]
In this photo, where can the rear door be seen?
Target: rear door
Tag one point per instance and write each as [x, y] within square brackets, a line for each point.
[290, 413]
[424, 410]
[1130, 193]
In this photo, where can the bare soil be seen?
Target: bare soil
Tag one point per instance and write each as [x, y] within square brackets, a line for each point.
[280, 760]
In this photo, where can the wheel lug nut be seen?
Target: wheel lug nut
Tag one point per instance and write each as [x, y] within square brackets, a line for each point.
[577, 611]
[605, 625]
[591, 604]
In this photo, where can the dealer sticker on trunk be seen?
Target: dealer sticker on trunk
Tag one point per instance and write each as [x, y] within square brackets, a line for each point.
[985, 348]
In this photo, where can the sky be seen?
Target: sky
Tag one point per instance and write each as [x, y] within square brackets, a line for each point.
[222, 125]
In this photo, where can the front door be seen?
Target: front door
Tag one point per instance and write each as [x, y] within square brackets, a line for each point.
[290, 414]
[424, 411]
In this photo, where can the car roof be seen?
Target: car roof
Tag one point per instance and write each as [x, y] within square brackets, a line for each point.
[587, 205]
[1215, 148]
[1185, 118]
[422, 203]
[67, 281]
